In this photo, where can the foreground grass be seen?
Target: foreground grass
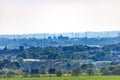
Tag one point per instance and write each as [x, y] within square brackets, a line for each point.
[68, 78]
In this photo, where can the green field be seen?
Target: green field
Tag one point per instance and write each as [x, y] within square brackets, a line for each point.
[68, 78]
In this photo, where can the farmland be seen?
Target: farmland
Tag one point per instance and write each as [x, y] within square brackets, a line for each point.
[68, 78]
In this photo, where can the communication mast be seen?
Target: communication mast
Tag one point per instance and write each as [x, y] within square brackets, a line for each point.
[43, 40]
[108, 34]
[119, 34]
[86, 34]
[72, 35]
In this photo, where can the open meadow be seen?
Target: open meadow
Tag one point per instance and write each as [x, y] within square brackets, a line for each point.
[68, 78]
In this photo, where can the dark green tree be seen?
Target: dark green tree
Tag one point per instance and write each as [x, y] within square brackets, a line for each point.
[116, 71]
[34, 71]
[76, 72]
[59, 73]
[51, 71]
[90, 72]
[105, 71]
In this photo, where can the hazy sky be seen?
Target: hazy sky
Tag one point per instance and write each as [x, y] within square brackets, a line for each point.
[54, 16]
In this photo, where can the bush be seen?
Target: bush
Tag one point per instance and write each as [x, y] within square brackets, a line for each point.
[51, 71]
[76, 72]
[43, 72]
[90, 72]
[116, 71]
[59, 73]
[10, 74]
[35, 75]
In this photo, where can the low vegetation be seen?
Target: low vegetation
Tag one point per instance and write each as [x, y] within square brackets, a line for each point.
[68, 78]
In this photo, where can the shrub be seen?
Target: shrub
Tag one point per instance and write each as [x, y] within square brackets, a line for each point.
[59, 73]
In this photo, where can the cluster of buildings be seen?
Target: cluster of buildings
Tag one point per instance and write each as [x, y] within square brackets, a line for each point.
[59, 37]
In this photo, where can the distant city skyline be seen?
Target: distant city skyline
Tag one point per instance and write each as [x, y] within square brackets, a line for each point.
[58, 16]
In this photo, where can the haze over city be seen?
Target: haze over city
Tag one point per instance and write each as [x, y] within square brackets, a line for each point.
[58, 16]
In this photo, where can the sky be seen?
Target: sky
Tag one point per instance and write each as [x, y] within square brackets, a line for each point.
[58, 16]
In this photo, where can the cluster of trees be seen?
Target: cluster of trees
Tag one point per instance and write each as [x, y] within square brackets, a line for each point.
[62, 59]
[89, 71]
[5, 63]
[10, 73]
[111, 70]
[74, 52]
[18, 68]
[81, 52]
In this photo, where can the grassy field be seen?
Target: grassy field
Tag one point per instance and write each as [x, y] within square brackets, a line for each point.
[68, 78]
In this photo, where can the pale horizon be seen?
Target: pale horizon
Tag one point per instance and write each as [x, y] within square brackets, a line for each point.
[58, 16]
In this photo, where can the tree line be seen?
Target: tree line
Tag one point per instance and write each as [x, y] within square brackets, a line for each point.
[74, 60]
